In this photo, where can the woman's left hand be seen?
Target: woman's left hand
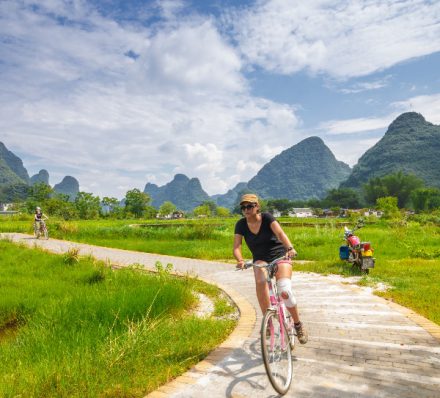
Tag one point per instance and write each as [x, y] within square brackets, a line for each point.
[291, 252]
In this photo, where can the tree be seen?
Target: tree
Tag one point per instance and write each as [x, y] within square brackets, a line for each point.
[150, 212]
[388, 205]
[342, 197]
[38, 195]
[398, 185]
[14, 192]
[202, 211]
[40, 192]
[59, 205]
[222, 212]
[112, 206]
[314, 203]
[425, 199]
[434, 200]
[110, 202]
[211, 204]
[281, 205]
[136, 202]
[374, 189]
[87, 205]
[401, 185]
[167, 208]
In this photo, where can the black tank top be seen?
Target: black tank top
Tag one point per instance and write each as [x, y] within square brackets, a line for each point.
[264, 245]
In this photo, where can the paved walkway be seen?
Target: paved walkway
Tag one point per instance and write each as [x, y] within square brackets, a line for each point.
[359, 345]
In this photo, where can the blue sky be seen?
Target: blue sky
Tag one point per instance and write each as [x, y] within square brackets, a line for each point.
[121, 93]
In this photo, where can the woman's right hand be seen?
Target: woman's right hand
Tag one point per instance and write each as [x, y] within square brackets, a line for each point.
[240, 264]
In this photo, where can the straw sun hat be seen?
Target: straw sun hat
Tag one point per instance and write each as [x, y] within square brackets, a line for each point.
[250, 198]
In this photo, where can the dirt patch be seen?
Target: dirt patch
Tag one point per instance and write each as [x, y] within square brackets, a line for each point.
[205, 307]
[354, 280]
[8, 331]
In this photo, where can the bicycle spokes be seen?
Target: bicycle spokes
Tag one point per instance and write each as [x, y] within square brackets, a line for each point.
[276, 352]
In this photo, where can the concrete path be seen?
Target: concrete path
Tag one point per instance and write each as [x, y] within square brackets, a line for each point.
[359, 345]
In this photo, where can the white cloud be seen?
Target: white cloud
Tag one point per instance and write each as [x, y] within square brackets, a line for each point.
[191, 56]
[350, 126]
[349, 150]
[341, 38]
[349, 139]
[427, 105]
[250, 166]
[366, 86]
[178, 104]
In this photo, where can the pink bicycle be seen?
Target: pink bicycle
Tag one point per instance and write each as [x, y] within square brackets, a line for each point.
[277, 336]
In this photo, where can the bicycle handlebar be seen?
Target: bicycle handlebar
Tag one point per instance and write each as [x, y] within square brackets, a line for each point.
[249, 264]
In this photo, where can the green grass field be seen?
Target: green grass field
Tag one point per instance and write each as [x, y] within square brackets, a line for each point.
[72, 327]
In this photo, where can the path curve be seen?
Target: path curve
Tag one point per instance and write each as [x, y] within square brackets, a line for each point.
[359, 344]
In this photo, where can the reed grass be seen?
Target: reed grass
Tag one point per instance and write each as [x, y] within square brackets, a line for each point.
[82, 329]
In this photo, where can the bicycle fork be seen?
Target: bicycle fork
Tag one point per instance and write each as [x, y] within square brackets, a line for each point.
[280, 309]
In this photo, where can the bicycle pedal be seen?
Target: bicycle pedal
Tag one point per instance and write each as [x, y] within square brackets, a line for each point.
[292, 344]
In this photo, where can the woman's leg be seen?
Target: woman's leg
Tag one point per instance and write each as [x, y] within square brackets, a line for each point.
[285, 272]
[284, 275]
[261, 287]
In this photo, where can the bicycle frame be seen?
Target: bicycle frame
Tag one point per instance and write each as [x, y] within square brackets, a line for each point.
[276, 342]
[276, 302]
[40, 228]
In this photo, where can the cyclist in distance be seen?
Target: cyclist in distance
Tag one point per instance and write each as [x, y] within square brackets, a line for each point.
[39, 216]
[267, 241]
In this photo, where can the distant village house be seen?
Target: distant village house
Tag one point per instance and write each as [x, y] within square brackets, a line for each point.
[364, 212]
[173, 216]
[5, 208]
[299, 212]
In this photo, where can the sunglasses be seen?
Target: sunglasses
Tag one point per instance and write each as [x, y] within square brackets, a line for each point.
[247, 207]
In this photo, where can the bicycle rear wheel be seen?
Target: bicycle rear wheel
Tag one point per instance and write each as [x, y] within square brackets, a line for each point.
[275, 348]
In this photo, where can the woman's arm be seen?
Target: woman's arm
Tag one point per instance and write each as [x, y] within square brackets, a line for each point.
[237, 250]
[283, 238]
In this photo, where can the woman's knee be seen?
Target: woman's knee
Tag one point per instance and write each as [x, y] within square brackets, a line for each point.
[261, 285]
[284, 286]
[260, 276]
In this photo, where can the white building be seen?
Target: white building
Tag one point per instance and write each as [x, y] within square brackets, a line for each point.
[376, 213]
[299, 212]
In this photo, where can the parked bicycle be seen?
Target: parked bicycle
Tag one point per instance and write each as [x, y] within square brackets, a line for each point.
[277, 334]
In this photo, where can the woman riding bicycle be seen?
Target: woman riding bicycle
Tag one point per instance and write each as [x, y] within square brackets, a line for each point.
[39, 217]
[267, 241]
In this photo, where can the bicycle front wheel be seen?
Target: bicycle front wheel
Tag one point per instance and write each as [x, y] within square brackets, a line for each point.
[275, 348]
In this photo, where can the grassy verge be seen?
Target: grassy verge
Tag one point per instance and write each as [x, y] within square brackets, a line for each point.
[76, 328]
